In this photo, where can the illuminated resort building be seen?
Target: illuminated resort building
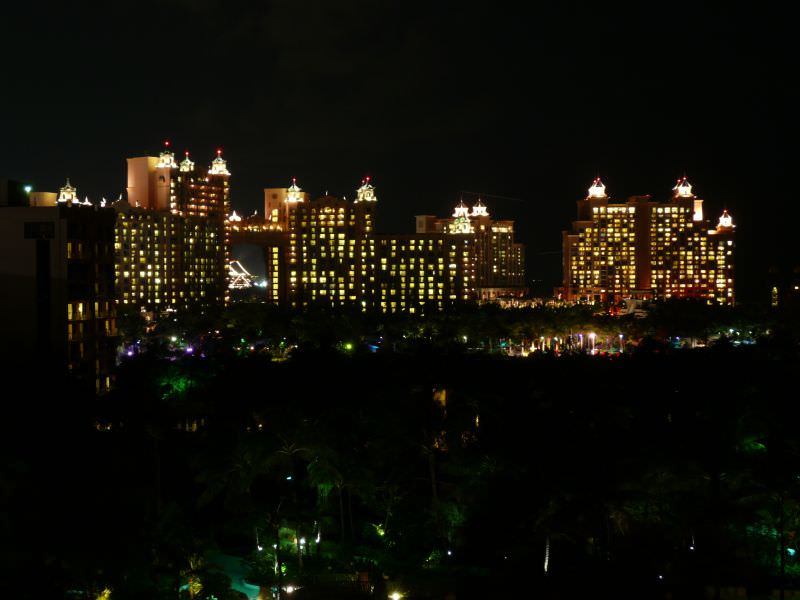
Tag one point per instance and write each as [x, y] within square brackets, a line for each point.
[647, 249]
[424, 270]
[171, 240]
[326, 251]
[498, 261]
[57, 273]
[70, 262]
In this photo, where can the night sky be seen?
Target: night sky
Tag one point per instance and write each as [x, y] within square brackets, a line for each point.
[430, 99]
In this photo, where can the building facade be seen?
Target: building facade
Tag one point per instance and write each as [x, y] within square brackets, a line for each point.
[326, 252]
[645, 249]
[172, 247]
[71, 262]
[57, 267]
[498, 260]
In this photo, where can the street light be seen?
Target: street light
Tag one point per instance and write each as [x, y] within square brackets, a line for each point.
[620, 343]
[592, 337]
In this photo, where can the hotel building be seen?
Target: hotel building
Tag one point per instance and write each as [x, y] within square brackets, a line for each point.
[499, 261]
[71, 262]
[326, 252]
[57, 273]
[171, 245]
[647, 249]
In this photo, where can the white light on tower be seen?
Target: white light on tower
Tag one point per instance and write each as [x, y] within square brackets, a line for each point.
[598, 190]
[293, 192]
[218, 165]
[166, 160]
[186, 164]
[461, 210]
[479, 210]
[725, 221]
[683, 189]
[366, 193]
[68, 194]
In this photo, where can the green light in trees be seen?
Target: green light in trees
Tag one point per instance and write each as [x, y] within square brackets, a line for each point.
[751, 445]
[174, 385]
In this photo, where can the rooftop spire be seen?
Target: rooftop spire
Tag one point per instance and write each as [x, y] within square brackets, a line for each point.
[293, 192]
[218, 165]
[187, 164]
[461, 223]
[366, 193]
[461, 210]
[683, 189]
[479, 210]
[166, 159]
[597, 190]
[725, 221]
[68, 194]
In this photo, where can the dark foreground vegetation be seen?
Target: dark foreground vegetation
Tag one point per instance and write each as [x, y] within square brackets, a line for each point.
[352, 469]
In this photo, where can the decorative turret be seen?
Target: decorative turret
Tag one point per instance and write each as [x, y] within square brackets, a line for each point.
[461, 222]
[293, 192]
[725, 221]
[186, 164]
[479, 210]
[68, 194]
[366, 193]
[166, 160]
[461, 210]
[218, 165]
[598, 190]
[683, 189]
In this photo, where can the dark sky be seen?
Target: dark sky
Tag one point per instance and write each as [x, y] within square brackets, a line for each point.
[429, 98]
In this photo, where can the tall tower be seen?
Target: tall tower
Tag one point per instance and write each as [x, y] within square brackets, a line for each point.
[683, 189]
[647, 249]
[365, 204]
[722, 248]
[363, 261]
[165, 171]
[277, 202]
[68, 195]
[461, 222]
[173, 245]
